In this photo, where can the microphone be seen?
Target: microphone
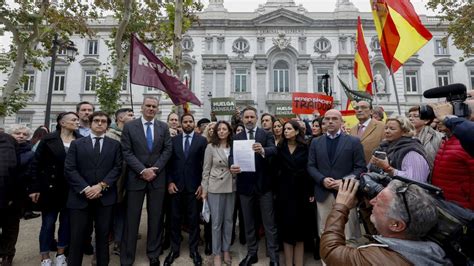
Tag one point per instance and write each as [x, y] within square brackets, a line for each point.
[446, 91]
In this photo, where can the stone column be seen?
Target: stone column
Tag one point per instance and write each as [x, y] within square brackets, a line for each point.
[261, 89]
[302, 68]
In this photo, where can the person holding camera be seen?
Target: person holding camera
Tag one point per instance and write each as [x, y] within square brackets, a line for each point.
[400, 154]
[403, 214]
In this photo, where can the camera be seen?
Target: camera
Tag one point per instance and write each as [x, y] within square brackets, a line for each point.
[455, 94]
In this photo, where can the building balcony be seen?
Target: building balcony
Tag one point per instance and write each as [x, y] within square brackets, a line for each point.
[242, 97]
[278, 97]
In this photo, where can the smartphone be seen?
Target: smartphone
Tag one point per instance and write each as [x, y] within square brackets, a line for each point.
[380, 154]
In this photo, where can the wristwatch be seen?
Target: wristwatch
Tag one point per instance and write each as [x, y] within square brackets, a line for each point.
[103, 185]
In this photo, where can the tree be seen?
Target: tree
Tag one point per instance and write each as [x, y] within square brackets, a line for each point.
[459, 14]
[153, 22]
[33, 25]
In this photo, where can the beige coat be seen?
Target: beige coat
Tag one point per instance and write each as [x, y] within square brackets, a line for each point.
[373, 135]
[216, 176]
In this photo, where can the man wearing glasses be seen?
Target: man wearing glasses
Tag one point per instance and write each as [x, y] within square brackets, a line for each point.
[402, 214]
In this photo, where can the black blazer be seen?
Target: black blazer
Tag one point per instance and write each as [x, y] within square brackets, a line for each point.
[348, 160]
[82, 170]
[9, 161]
[138, 157]
[186, 173]
[249, 183]
[48, 172]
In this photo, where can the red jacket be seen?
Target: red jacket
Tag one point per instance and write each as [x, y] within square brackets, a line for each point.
[454, 173]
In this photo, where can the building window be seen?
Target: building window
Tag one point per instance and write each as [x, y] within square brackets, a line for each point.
[439, 48]
[471, 78]
[322, 45]
[52, 122]
[281, 82]
[59, 80]
[443, 77]
[240, 46]
[240, 80]
[92, 47]
[321, 83]
[187, 44]
[29, 83]
[151, 90]
[125, 83]
[90, 80]
[411, 81]
[24, 120]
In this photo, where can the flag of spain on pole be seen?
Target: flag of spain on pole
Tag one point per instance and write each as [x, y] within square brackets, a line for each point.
[362, 69]
[399, 30]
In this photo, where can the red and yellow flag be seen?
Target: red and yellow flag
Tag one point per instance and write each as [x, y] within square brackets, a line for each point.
[362, 69]
[399, 29]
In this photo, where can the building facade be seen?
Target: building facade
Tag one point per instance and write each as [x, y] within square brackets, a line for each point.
[260, 58]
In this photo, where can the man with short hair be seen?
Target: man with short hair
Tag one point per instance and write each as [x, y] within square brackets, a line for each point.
[369, 131]
[430, 138]
[92, 167]
[331, 158]
[254, 188]
[146, 147]
[83, 110]
[122, 116]
[201, 125]
[267, 121]
[184, 175]
[403, 214]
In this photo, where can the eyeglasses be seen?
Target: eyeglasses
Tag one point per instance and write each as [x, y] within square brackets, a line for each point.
[104, 121]
[414, 116]
[361, 107]
[402, 191]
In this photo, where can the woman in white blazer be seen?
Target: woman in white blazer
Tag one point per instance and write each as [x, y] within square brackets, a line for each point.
[219, 189]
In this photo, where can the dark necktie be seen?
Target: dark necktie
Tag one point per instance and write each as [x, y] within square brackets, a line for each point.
[251, 136]
[97, 148]
[149, 136]
[186, 146]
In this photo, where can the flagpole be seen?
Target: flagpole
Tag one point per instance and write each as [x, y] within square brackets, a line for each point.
[130, 87]
[375, 94]
[395, 89]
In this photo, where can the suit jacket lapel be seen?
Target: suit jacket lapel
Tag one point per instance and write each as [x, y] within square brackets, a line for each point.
[105, 145]
[89, 149]
[222, 154]
[180, 147]
[193, 145]
[324, 148]
[368, 130]
[141, 132]
[156, 133]
[340, 146]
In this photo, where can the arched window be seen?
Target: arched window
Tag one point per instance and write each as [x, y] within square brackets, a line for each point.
[281, 77]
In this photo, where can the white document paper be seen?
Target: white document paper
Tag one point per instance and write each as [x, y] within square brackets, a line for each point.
[244, 155]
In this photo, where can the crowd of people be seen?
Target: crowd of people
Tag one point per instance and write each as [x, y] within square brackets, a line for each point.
[91, 176]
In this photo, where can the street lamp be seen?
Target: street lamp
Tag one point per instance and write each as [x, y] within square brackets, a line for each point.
[71, 51]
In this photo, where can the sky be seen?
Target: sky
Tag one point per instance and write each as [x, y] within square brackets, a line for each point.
[313, 5]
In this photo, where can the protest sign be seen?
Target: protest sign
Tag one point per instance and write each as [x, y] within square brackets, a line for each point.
[306, 103]
[223, 106]
[284, 111]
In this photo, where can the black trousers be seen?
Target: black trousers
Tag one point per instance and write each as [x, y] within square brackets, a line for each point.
[80, 220]
[179, 201]
[154, 204]
[10, 227]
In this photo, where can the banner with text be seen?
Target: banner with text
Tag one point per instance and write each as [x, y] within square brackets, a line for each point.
[284, 111]
[306, 103]
[223, 106]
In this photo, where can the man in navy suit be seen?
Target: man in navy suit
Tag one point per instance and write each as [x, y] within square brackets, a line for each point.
[331, 158]
[146, 147]
[184, 174]
[255, 188]
[92, 167]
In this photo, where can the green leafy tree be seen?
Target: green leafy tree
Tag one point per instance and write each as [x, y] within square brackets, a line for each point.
[33, 25]
[459, 14]
[152, 22]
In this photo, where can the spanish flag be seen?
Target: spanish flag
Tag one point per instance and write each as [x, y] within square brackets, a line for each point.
[362, 69]
[399, 30]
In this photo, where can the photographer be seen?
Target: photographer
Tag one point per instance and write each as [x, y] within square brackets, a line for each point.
[402, 215]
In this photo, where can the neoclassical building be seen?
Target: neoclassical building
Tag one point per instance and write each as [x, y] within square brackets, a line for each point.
[260, 58]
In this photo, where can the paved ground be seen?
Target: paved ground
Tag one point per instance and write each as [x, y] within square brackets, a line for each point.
[28, 249]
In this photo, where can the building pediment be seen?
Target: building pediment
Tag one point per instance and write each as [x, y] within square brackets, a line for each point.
[282, 17]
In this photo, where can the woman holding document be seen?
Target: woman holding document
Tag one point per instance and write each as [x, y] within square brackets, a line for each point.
[219, 189]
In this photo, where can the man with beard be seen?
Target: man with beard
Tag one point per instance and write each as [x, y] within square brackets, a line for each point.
[267, 121]
[184, 174]
[254, 188]
[83, 110]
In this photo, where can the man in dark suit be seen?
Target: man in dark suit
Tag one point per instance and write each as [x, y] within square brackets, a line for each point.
[146, 147]
[331, 158]
[255, 188]
[92, 167]
[184, 174]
